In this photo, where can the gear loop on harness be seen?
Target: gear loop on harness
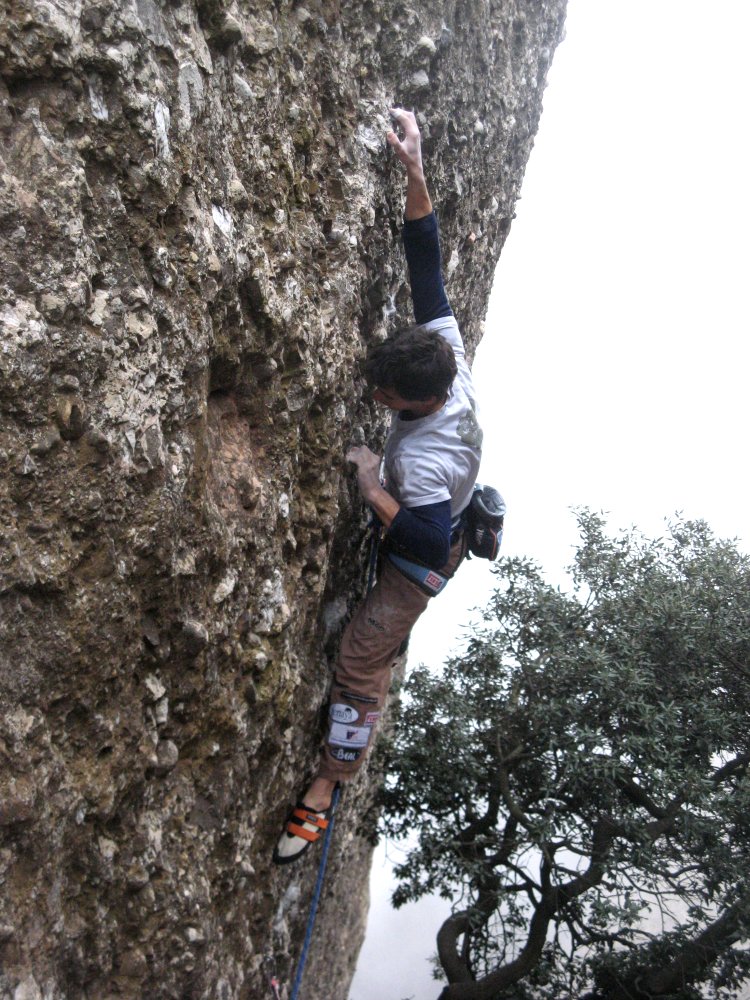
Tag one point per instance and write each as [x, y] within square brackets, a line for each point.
[375, 533]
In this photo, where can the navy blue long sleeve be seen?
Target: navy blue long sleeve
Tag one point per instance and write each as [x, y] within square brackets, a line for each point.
[425, 532]
[422, 247]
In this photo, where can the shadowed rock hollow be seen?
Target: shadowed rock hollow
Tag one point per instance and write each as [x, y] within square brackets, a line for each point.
[199, 238]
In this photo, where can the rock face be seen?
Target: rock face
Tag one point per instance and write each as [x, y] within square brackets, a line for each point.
[199, 239]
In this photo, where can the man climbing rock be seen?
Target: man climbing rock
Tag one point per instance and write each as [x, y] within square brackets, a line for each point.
[431, 462]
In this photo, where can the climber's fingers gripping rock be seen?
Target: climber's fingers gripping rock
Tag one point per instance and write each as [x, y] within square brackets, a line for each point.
[368, 468]
[408, 149]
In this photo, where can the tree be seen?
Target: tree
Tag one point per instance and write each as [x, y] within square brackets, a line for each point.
[578, 779]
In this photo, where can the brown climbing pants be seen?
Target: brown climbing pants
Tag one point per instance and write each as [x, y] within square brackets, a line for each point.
[369, 647]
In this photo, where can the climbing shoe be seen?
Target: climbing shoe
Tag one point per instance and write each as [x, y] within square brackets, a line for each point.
[302, 828]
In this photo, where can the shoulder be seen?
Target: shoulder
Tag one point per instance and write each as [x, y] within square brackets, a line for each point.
[447, 327]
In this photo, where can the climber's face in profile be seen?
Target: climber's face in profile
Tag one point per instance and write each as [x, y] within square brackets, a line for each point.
[391, 399]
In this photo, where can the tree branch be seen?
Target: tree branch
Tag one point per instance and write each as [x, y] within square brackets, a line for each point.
[454, 965]
[513, 807]
[701, 952]
[487, 988]
[731, 768]
[692, 959]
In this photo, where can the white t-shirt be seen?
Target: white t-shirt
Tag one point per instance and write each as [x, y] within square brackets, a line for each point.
[435, 458]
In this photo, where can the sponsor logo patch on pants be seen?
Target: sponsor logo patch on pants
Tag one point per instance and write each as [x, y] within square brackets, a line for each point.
[343, 713]
[346, 756]
[341, 735]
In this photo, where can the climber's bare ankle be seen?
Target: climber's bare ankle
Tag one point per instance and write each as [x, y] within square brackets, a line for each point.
[318, 795]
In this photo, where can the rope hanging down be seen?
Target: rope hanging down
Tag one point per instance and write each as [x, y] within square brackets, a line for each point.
[316, 897]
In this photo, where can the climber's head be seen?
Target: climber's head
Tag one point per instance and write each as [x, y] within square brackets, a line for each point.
[412, 371]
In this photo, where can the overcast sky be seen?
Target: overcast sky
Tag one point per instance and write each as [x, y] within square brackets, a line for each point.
[614, 370]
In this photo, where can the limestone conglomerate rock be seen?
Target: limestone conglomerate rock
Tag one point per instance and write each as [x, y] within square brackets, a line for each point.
[198, 240]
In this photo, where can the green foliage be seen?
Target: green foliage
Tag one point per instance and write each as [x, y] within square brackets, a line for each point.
[579, 778]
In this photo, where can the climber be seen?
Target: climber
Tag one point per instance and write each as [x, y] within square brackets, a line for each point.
[431, 463]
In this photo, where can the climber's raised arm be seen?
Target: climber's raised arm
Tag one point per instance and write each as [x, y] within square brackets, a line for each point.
[420, 232]
[409, 151]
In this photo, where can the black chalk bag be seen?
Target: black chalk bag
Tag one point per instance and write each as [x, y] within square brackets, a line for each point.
[485, 516]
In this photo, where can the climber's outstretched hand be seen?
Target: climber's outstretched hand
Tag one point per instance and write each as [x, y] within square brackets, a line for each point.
[408, 149]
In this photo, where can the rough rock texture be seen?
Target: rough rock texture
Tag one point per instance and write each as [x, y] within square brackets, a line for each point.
[198, 239]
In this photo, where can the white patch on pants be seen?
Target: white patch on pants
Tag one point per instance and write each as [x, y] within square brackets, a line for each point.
[343, 713]
[348, 736]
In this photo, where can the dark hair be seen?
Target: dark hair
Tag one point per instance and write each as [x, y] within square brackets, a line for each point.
[416, 363]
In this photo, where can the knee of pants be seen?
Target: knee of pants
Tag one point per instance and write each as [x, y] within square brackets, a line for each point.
[365, 653]
[351, 728]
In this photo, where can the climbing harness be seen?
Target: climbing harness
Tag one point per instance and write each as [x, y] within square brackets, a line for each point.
[372, 569]
[428, 580]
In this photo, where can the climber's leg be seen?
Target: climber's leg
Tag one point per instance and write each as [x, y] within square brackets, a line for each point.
[369, 647]
[371, 643]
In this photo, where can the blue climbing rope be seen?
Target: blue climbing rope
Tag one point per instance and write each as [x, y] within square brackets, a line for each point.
[374, 546]
[316, 897]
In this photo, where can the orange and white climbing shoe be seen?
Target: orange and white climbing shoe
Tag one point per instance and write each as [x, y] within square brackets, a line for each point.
[303, 827]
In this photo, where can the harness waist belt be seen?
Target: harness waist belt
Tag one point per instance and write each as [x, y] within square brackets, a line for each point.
[430, 581]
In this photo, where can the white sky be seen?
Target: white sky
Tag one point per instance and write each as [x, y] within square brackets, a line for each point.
[614, 369]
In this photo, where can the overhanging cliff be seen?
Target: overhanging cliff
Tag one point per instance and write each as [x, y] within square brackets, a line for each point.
[199, 232]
